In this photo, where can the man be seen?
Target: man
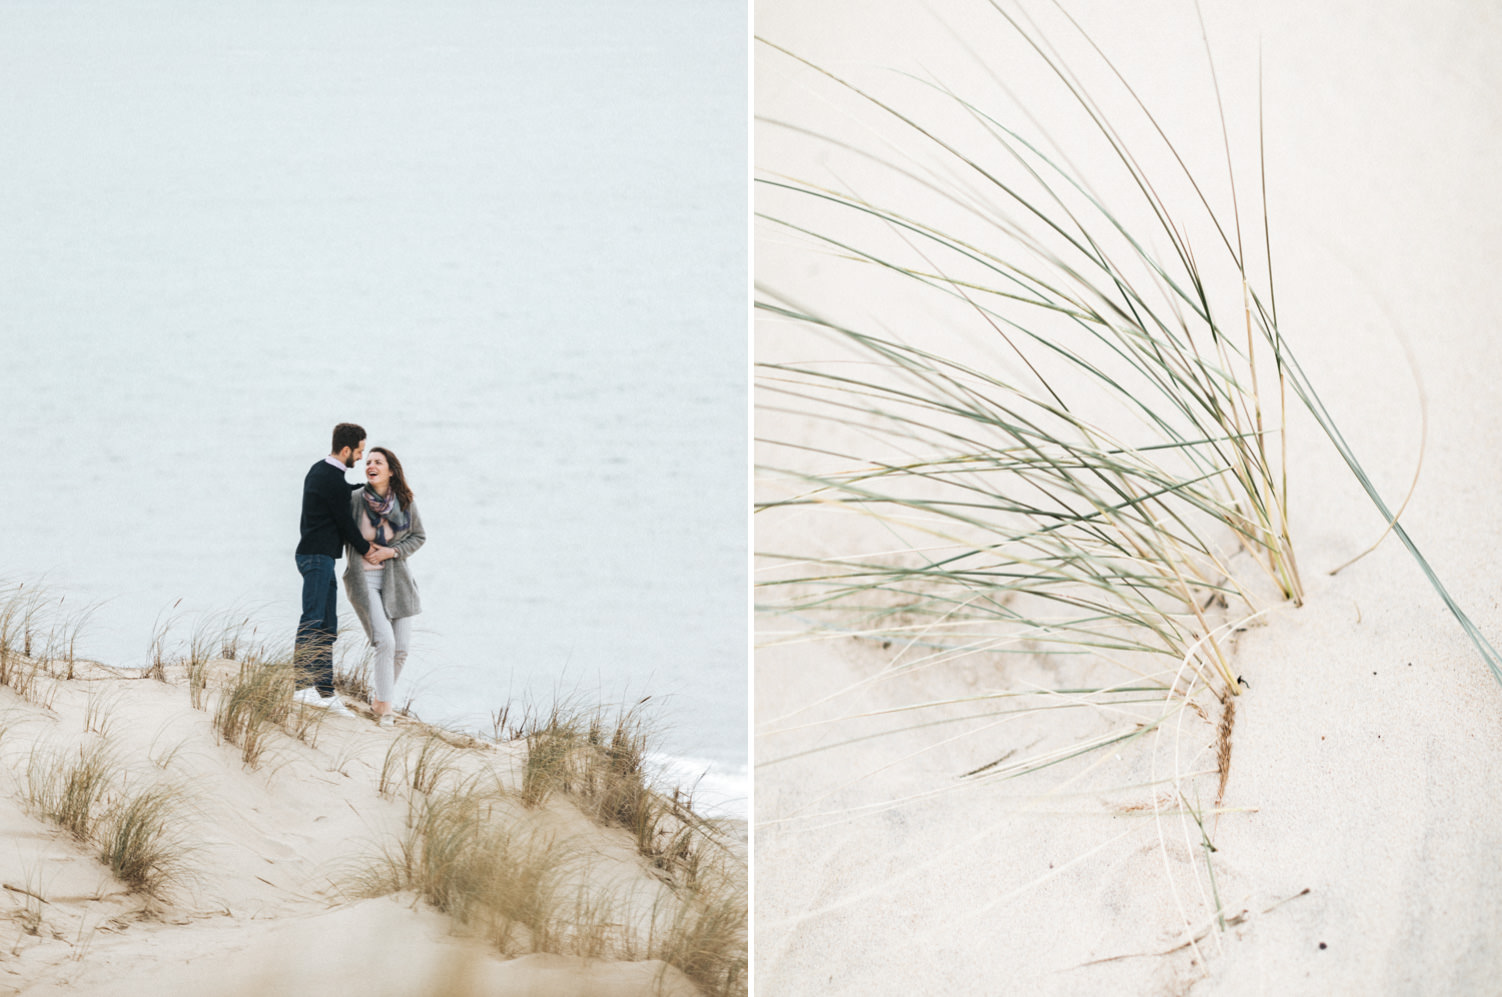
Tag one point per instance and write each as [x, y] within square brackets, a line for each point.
[327, 525]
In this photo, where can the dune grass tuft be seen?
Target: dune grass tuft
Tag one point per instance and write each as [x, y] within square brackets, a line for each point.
[354, 680]
[140, 842]
[235, 634]
[1079, 454]
[255, 705]
[70, 791]
[209, 634]
[551, 764]
[1088, 496]
[473, 853]
[486, 872]
[38, 639]
[98, 710]
[198, 683]
[598, 759]
[704, 934]
[64, 631]
[586, 752]
[420, 758]
[159, 652]
[84, 791]
[226, 634]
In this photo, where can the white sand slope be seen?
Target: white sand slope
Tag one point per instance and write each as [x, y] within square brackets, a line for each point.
[268, 898]
[1356, 850]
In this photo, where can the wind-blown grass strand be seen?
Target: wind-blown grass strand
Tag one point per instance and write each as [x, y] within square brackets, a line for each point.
[1306, 394]
[1082, 458]
[1038, 443]
[1067, 514]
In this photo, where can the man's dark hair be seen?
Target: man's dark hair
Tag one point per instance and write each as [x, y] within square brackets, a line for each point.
[347, 434]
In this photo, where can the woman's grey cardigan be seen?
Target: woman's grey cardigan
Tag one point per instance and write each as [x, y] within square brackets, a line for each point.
[398, 590]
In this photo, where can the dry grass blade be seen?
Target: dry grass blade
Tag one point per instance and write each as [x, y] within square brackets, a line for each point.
[98, 710]
[355, 680]
[159, 652]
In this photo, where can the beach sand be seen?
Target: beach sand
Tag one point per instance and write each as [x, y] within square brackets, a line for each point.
[1356, 840]
[267, 896]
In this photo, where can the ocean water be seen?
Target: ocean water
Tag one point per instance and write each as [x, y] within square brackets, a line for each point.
[508, 239]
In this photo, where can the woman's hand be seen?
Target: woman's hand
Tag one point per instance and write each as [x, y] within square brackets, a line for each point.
[377, 554]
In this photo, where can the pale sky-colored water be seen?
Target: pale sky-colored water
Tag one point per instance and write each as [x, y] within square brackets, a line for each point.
[509, 240]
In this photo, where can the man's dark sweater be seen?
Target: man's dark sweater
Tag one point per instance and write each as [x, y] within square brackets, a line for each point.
[327, 524]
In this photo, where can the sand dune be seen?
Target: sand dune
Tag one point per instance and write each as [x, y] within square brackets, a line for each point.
[268, 867]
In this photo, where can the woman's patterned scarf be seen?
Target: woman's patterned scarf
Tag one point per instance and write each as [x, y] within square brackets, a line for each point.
[385, 515]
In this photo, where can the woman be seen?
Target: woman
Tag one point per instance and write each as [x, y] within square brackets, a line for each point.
[379, 585]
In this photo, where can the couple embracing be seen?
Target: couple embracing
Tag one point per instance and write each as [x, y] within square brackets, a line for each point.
[377, 524]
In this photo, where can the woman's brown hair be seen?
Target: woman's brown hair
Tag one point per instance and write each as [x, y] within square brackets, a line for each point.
[398, 479]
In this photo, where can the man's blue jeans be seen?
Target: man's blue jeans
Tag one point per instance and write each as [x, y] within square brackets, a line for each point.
[313, 652]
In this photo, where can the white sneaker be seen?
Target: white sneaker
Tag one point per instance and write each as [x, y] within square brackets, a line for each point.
[307, 697]
[336, 706]
[387, 720]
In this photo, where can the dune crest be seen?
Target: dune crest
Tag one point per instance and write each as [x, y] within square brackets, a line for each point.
[317, 869]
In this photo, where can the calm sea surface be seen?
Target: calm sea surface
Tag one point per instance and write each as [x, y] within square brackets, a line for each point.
[508, 239]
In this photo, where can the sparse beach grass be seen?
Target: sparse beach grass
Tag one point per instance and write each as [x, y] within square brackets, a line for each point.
[70, 787]
[255, 705]
[210, 635]
[1022, 392]
[418, 768]
[86, 791]
[474, 847]
[38, 640]
[1080, 455]
[354, 680]
[469, 861]
[704, 934]
[473, 852]
[159, 653]
[599, 758]
[574, 851]
[141, 840]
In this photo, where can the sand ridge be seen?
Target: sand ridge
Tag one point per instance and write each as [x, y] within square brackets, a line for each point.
[269, 897]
